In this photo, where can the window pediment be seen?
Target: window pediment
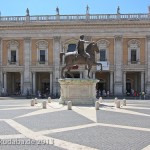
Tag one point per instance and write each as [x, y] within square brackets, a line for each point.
[12, 44]
[134, 43]
[70, 41]
[103, 43]
[42, 44]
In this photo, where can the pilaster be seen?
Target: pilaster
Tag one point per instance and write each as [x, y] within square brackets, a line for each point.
[56, 64]
[118, 51]
[27, 74]
[1, 79]
[147, 75]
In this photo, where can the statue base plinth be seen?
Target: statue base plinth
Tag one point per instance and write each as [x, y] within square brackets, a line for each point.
[79, 91]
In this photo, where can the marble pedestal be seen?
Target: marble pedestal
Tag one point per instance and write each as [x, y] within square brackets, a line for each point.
[78, 91]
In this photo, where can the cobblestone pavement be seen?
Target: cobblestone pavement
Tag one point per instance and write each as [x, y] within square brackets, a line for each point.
[23, 126]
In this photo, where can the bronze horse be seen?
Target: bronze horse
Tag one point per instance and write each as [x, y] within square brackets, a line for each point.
[72, 58]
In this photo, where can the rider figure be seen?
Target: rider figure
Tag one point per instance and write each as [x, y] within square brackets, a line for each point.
[80, 48]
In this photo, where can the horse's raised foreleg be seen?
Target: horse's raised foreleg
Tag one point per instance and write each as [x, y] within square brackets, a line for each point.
[62, 71]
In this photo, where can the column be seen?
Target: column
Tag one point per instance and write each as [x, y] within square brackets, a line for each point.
[136, 82]
[5, 82]
[111, 82]
[147, 58]
[85, 74]
[21, 86]
[13, 81]
[27, 74]
[142, 81]
[124, 82]
[34, 82]
[51, 78]
[80, 75]
[93, 75]
[118, 66]
[1, 75]
[56, 64]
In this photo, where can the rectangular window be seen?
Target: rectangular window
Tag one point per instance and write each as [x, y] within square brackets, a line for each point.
[133, 56]
[13, 56]
[42, 55]
[102, 55]
[71, 48]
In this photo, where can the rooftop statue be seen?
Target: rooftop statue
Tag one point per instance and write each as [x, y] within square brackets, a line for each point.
[118, 10]
[27, 12]
[81, 57]
[57, 11]
[87, 9]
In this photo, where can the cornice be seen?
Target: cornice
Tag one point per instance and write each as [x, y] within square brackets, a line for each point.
[74, 24]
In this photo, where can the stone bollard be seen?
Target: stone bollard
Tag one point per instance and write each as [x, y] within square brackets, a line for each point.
[100, 100]
[124, 102]
[97, 105]
[36, 101]
[32, 102]
[115, 100]
[49, 99]
[44, 104]
[69, 105]
[117, 104]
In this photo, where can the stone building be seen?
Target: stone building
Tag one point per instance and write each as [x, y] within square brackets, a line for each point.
[30, 48]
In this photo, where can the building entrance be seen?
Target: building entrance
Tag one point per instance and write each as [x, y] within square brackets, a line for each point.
[13, 83]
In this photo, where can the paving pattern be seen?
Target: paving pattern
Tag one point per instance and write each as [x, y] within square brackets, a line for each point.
[83, 128]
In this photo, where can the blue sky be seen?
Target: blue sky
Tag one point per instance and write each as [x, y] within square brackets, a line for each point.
[48, 7]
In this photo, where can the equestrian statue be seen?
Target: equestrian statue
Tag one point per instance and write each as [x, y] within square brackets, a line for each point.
[81, 57]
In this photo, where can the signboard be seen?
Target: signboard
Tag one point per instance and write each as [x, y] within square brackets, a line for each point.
[105, 65]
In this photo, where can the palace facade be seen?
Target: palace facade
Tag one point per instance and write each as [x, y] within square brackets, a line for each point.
[31, 49]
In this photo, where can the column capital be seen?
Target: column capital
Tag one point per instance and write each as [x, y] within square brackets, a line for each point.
[27, 39]
[148, 37]
[118, 37]
[33, 72]
[57, 38]
[142, 72]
